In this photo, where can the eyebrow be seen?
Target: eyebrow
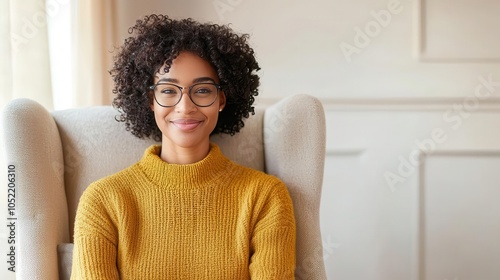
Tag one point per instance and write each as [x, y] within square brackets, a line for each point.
[203, 79]
[197, 80]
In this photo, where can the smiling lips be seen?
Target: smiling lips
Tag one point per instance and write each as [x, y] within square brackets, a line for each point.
[186, 124]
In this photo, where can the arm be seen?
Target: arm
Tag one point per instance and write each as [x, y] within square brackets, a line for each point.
[95, 252]
[273, 240]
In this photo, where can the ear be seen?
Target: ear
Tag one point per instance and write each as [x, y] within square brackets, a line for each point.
[222, 101]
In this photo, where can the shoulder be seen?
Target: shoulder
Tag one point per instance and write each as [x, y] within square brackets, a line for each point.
[255, 176]
[112, 185]
[259, 182]
[272, 204]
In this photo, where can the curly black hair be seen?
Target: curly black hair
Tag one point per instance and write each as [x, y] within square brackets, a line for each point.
[155, 42]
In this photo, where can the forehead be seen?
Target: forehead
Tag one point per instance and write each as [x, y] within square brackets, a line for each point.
[187, 67]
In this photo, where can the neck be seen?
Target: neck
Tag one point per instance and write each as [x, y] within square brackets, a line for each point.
[183, 155]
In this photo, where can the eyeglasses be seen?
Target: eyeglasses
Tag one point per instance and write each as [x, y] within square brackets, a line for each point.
[201, 94]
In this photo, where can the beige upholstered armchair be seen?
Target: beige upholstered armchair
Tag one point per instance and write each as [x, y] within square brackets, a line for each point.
[58, 154]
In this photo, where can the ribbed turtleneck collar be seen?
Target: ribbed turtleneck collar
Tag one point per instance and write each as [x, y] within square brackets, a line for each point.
[185, 176]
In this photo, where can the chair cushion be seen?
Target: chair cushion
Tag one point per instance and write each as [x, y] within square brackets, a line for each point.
[65, 258]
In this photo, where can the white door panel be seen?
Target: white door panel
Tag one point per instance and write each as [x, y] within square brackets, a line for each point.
[409, 195]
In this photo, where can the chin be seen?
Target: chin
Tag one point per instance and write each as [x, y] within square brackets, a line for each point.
[186, 142]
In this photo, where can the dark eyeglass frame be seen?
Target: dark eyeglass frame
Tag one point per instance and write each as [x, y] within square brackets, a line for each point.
[217, 86]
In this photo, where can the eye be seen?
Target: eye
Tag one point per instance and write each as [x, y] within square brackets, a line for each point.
[203, 89]
[167, 89]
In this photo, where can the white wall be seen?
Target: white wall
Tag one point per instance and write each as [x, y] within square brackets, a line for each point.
[412, 100]
[302, 41]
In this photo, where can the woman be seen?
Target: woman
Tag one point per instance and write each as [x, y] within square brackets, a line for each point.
[184, 211]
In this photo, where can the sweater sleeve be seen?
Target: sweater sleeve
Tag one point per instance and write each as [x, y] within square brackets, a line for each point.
[95, 250]
[273, 240]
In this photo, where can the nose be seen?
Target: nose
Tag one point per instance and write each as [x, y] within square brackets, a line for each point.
[185, 106]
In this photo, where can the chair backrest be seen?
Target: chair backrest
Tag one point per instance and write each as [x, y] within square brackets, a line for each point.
[58, 154]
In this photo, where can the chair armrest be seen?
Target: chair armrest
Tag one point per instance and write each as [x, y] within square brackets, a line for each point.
[294, 146]
[33, 145]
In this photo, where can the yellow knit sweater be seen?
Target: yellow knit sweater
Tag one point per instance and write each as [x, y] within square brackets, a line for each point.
[213, 219]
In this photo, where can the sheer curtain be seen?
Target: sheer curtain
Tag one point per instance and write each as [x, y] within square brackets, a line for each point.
[94, 42]
[58, 53]
[26, 72]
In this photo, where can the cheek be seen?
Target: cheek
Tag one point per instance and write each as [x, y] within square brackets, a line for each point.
[213, 114]
[160, 114]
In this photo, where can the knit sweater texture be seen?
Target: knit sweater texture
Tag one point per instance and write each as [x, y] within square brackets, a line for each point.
[213, 219]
